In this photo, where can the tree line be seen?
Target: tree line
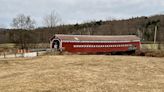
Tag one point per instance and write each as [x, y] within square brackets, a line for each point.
[24, 31]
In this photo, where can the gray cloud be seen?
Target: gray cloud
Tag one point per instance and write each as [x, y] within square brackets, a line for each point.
[72, 11]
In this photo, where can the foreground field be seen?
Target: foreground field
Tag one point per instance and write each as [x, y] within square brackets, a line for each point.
[75, 73]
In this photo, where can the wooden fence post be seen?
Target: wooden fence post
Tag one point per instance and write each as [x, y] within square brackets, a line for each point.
[37, 53]
[15, 55]
[4, 54]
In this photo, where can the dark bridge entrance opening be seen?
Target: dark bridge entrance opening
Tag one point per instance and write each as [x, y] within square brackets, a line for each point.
[56, 44]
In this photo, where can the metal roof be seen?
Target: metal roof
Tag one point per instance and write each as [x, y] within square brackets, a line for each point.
[96, 37]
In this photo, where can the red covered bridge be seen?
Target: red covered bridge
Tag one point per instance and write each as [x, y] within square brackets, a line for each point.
[95, 43]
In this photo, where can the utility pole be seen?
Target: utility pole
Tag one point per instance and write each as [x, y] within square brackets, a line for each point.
[155, 35]
[139, 33]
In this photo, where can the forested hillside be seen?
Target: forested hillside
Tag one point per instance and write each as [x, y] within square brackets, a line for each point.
[141, 26]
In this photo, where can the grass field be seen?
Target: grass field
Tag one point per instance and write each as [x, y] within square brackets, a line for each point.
[82, 73]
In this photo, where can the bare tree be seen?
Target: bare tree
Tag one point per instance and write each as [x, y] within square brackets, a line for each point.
[51, 20]
[23, 22]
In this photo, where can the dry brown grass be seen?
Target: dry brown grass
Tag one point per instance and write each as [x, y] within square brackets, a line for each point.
[82, 73]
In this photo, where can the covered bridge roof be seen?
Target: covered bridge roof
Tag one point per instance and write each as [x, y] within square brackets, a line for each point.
[96, 37]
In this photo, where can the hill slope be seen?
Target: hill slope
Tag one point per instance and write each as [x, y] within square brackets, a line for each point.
[140, 26]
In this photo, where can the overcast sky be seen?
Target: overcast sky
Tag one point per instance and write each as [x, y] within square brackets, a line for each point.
[77, 11]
